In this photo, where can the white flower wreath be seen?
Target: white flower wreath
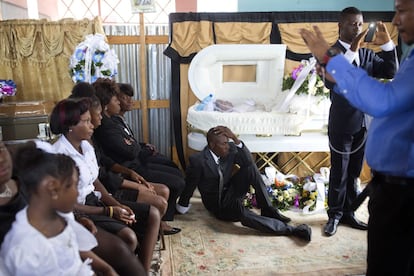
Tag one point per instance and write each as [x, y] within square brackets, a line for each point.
[93, 59]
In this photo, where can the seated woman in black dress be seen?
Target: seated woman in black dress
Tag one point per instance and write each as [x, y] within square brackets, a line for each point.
[119, 144]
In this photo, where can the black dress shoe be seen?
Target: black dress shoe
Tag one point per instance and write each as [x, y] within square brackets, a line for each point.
[353, 222]
[331, 226]
[274, 213]
[303, 232]
[172, 231]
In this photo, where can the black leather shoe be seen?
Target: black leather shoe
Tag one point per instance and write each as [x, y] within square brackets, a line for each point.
[172, 231]
[331, 226]
[353, 222]
[303, 232]
[274, 213]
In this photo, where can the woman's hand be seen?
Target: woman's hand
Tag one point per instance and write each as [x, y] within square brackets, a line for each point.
[153, 148]
[124, 213]
[146, 187]
[151, 188]
[140, 180]
[136, 177]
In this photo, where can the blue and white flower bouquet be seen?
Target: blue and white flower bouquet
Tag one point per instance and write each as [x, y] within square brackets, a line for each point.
[93, 59]
[7, 88]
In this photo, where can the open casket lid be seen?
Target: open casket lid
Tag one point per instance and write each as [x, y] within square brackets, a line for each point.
[207, 71]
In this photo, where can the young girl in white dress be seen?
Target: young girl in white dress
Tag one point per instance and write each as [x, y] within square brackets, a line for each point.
[45, 239]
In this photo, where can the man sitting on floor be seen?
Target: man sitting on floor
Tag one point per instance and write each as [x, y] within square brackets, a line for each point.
[223, 172]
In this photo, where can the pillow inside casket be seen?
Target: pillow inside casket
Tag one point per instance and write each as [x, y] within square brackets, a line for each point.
[243, 86]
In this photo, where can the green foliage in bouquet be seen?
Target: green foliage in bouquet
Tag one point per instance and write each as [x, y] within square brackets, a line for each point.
[290, 192]
[308, 193]
[318, 90]
[285, 193]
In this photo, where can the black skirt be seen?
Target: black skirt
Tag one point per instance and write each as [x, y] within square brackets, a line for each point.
[112, 225]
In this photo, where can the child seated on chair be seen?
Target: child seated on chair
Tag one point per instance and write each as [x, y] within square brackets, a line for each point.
[45, 239]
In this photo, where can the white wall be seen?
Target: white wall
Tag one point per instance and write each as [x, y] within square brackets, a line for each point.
[217, 5]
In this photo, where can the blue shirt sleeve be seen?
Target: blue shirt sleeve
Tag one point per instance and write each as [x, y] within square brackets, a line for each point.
[389, 148]
[370, 95]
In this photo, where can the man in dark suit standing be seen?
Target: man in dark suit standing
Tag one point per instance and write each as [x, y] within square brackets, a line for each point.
[346, 126]
[223, 172]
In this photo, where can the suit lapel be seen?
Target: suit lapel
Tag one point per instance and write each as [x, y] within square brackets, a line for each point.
[360, 53]
[210, 160]
[339, 46]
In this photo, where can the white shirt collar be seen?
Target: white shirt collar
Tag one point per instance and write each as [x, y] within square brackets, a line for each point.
[215, 157]
[346, 45]
[350, 55]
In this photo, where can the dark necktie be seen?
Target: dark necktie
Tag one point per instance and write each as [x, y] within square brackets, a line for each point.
[221, 181]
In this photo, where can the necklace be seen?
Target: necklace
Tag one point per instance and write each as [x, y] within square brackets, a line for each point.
[7, 192]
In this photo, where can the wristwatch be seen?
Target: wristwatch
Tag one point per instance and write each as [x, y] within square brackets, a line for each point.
[331, 52]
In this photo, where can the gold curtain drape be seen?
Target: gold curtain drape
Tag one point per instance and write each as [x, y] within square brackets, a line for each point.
[201, 34]
[35, 55]
[242, 32]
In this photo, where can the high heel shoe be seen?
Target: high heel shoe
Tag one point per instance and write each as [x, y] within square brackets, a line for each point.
[172, 231]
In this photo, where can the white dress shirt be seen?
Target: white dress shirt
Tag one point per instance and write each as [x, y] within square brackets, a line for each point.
[352, 56]
[86, 162]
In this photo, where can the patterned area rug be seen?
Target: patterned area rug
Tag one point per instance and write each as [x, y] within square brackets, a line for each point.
[207, 246]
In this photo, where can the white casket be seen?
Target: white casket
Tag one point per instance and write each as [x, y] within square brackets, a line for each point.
[215, 70]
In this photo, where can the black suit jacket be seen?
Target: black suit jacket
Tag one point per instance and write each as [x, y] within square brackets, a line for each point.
[116, 142]
[202, 172]
[343, 117]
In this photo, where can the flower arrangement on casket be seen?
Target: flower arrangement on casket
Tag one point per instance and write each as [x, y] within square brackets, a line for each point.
[317, 89]
[93, 59]
[7, 88]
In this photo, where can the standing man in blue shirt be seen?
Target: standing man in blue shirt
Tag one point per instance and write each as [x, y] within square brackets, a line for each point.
[346, 125]
[389, 148]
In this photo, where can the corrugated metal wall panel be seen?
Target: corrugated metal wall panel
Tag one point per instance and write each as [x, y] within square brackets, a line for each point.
[158, 80]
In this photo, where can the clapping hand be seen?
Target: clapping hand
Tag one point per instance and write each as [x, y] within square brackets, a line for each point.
[358, 41]
[315, 42]
[381, 36]
[318, 47]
